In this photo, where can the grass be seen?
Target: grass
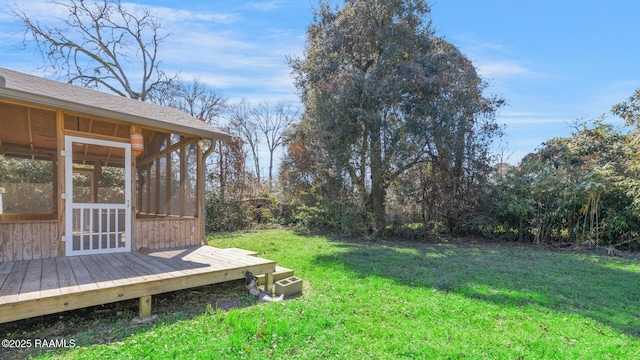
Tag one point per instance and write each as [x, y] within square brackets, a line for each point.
[390, 300]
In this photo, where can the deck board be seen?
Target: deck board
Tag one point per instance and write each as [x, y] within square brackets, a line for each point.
[83, 276]
[99, 275]
[171, 258]
[5, 267]
[112, 272]
[30, 288]
[152, 268]
[49, 283]
[227, 258]
[131, 270]
[186, 260]
[66, 279]
[5, 270]
[11, 287]
[40, 287]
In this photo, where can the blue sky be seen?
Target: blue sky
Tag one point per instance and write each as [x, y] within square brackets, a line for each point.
[553, 61]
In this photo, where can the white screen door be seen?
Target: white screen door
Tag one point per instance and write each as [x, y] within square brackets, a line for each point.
[98, 196]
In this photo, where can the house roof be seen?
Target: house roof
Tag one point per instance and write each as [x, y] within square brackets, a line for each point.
[37, 90]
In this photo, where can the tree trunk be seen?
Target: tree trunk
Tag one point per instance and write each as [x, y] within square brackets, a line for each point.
[271, 166]
[378, 190]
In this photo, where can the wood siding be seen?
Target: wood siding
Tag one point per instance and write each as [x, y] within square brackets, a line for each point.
[30, 240]
[166, 232]
[34, 240]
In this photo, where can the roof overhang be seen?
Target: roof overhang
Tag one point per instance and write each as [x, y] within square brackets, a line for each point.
[48, 101]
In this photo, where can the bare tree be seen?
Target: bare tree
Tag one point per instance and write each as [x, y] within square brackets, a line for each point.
[241, 122]
[197, 99]
[272, 122]
[97, 44]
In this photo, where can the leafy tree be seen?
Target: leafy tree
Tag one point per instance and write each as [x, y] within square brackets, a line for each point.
[28, 184]
[629, 110]
[583, 189]
[379, 91]
[100, 45]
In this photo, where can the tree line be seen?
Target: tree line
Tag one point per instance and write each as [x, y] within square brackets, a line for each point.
[394, 135]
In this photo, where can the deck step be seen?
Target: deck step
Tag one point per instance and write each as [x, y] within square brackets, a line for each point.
[279, 274]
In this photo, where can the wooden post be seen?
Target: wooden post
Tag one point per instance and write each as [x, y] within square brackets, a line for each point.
[145, 307]
[200, 180]
[168, 175]
[183, 179]
[268, 282]
[59, 185]
[135, 205]
[201, 211]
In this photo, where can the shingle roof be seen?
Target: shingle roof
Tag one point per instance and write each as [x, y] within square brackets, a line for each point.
[38, 90]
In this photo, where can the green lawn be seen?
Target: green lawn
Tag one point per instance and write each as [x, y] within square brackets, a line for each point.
[390, 300]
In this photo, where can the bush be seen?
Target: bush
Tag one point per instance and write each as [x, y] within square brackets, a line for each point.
[226, 215]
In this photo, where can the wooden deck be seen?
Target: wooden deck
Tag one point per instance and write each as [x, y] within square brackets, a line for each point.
[39, 287]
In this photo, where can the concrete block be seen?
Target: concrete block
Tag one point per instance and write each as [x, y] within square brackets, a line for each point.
[289, 286]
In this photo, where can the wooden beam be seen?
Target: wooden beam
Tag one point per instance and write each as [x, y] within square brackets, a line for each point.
[95, 136]
[169, 149]
[25, 151]
[96, 158]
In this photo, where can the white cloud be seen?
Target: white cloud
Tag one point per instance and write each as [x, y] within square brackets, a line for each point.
[219, 48]
[166, 15]
[532, 119]
[235, 61]
[41, 10]
[263, 5]
[501, 69]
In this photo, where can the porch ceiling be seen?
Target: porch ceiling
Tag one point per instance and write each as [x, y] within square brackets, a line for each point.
[27, 131]
[31, 132]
